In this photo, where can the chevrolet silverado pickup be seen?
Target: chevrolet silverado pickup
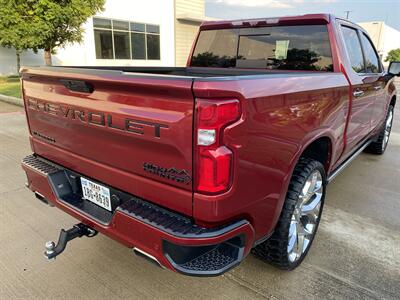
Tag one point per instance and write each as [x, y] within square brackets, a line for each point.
[196, 167]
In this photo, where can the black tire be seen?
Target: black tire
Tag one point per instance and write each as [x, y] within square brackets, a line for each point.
[275, 249]
[380, 144]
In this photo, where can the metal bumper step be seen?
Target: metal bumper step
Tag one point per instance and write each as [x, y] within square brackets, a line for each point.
[40, 165]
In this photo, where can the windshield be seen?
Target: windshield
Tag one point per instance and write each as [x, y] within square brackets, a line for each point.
[282, 47]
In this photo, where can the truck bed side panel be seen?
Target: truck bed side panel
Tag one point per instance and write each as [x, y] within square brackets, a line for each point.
[282, 115]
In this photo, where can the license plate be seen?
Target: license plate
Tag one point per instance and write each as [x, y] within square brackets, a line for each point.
[96, 193]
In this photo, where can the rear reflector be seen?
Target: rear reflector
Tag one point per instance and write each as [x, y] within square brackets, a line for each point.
[213, 158]
[205, 137]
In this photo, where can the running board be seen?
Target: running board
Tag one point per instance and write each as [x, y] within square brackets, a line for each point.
[339, 169]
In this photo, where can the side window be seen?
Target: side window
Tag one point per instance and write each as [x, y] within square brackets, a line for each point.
[353, 47]
[371, 59]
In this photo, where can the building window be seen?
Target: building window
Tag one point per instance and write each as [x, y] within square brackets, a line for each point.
[116, 39]
[153, 46]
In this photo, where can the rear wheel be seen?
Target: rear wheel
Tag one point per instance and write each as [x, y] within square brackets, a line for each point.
[379, 146]
[299, 219]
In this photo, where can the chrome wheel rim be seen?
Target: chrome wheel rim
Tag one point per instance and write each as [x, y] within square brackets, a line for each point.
[388, 128]
[305, 216]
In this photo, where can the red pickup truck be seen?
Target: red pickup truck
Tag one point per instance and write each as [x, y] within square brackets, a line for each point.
[195, 167]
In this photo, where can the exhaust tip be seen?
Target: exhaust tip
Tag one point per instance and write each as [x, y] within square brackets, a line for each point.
[147, 256]
[43, 199]
[40, 197]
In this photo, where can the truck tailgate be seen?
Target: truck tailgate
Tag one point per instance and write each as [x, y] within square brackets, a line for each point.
[132, 132]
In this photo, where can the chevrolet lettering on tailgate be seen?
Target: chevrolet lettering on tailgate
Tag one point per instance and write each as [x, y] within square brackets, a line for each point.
[94, 118]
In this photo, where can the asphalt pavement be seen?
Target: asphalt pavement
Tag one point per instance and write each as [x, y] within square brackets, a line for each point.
[356, 253]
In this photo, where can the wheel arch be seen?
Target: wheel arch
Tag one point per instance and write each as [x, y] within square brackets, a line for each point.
[310, 150]
[319, 149]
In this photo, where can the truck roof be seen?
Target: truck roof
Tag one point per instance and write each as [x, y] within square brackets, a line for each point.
[307, 19]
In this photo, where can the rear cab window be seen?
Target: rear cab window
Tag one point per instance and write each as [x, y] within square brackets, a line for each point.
[304, 47]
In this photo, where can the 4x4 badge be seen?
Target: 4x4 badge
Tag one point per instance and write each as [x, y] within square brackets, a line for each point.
[181, 176]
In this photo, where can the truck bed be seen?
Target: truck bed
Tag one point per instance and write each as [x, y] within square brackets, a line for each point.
[187, 72]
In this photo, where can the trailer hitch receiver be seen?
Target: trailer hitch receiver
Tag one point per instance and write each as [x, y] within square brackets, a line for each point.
[78, 230]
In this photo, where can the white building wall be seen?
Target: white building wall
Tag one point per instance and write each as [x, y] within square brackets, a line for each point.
[375, 31]
[391, 40]
[160, 12]
[189, 15]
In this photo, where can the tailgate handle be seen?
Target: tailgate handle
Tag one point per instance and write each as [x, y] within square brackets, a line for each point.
[77, 85]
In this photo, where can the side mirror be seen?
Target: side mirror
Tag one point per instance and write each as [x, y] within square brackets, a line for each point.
[394, 68]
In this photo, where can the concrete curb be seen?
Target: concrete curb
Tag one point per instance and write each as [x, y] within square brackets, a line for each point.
[12, 100]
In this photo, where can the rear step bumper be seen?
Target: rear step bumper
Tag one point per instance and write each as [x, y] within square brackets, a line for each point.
[173, 240]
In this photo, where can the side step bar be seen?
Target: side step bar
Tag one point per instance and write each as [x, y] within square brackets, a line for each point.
[339, 169]
[78, 230]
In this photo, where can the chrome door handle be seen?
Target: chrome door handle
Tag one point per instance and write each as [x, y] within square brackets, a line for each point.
[358, 93]
[377, 87]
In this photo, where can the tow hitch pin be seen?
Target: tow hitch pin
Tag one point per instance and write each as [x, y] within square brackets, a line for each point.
[50, 250]
[78, 230]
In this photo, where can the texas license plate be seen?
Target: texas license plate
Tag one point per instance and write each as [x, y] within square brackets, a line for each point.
[96, 193]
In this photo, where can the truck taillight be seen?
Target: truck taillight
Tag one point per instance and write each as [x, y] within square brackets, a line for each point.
[213, 158]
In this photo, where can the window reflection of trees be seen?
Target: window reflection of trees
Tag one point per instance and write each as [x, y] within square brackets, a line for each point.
[209, 59]
[297, 59]
[307, 48]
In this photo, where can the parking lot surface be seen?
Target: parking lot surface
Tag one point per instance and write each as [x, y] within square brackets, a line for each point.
[356, 253]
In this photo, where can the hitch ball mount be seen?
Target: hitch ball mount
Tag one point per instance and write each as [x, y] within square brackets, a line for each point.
[77, 231]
